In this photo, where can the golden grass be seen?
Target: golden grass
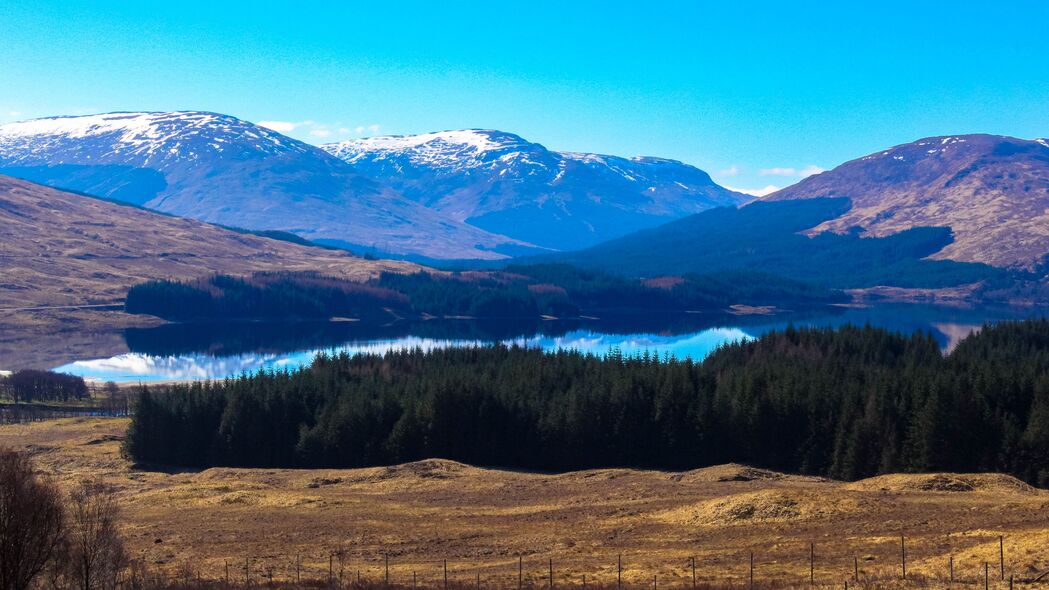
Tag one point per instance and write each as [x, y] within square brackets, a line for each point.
[481, 520]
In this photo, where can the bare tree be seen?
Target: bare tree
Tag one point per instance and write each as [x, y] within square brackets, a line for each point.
[31, 521]
[96, 549]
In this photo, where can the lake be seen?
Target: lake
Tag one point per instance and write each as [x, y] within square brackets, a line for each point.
[209, 351]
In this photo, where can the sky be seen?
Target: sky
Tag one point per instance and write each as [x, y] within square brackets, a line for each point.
[758, 94]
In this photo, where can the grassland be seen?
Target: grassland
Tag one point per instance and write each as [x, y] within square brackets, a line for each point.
[483, 520]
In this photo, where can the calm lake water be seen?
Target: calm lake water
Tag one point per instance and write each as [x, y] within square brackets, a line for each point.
[183, 351]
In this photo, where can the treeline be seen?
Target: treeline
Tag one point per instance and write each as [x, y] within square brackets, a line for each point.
[30, 385]
[515, 292]
[846, 403]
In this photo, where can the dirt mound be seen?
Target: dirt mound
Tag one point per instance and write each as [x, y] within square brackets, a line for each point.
[737, 472]
[772, 505]
[944, 482]
[429, 469]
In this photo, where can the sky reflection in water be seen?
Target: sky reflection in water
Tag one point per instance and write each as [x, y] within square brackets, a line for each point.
[135, 366]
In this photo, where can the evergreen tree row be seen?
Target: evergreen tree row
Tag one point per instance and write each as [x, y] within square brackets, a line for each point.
[846, 403]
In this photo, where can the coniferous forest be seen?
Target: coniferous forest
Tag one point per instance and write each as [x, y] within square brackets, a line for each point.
[515, 292]
[846, 403]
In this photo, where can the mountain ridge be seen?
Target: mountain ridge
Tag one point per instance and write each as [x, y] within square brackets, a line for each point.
[221, 169]
[502, 183]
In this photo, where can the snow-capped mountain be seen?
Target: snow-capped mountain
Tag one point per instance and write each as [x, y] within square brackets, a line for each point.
[991, 190]
[506, 185]
[221, 169]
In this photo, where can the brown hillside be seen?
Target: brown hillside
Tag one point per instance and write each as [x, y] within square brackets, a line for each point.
[64, 249]
[991, 190]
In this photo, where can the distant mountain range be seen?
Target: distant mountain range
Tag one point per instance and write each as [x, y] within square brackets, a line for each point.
[991, 191]
[506, 185]
[485, 189]
[224, 170]
[934, 212]
[937, 212]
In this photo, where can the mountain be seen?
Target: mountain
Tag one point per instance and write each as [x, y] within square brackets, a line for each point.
[506, 185]
[765, 237]
[992, 191]
[62, 249]
[220, 169]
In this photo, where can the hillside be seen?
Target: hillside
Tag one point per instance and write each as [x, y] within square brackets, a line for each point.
[64, 249]
[481, 520]
[767, 237]
[221, 169]
[504, 184]
[992, 192]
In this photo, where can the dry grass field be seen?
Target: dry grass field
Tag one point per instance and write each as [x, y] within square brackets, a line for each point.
[482, 520]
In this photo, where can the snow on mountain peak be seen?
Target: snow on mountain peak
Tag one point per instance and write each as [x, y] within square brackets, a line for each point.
[456, 148]
[475, 139]
[148, 136]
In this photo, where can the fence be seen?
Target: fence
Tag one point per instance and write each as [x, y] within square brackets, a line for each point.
[382, 574]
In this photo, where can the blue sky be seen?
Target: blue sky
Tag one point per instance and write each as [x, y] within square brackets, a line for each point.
[755, 93]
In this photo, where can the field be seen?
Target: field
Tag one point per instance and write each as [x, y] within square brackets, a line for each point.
[481, 521]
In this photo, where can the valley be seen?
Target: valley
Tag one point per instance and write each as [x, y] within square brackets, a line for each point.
[524, 296]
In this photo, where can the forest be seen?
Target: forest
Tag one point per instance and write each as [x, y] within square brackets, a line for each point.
[846, 403]
[770, 235]
[28, 385]
[515, 292]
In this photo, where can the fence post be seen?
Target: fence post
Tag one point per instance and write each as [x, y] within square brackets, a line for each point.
[986, 578]
[751, 570]
[856, 568]
[655, 583]
[693, 572]
[227, 573]
[619, 573]
[478, 583]
[247, 571]
[413, 580]
[812, 563]
[551, 581]
[903, 555]
[1001, 554]
[520, 572]
[951, 564]
[446, 574]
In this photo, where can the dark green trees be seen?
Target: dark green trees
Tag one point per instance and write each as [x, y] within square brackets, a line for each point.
[847, 403]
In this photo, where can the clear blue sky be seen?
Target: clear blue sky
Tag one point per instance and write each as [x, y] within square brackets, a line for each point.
[736, 88]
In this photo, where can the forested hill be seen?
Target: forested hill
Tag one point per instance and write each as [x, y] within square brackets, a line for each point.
[846, 403]
[517, 292]
[767, 236]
